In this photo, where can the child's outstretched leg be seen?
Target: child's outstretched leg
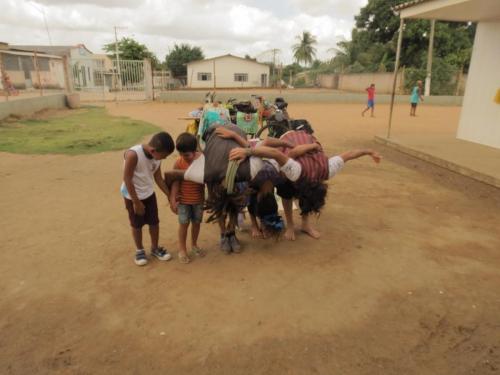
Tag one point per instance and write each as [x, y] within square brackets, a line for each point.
[195, 230]
[307, 228]
[290, 226]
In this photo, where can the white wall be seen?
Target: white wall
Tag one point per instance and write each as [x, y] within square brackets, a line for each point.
[480, 118]
[225, 68]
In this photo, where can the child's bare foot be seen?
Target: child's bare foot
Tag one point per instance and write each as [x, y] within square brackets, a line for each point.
[256, 233]
[310, 231]
[289, 234]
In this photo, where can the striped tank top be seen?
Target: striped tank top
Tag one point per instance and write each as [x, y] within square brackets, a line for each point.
[314, 165]
[190, 192]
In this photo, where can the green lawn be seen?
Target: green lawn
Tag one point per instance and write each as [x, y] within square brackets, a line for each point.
[86, 131]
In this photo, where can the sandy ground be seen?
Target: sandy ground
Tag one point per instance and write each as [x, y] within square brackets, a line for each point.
[405, 279]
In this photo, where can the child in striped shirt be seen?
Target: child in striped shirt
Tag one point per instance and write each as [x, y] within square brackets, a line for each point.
[187, 198]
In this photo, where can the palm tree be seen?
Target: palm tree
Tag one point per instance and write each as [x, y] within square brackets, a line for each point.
[304, 50]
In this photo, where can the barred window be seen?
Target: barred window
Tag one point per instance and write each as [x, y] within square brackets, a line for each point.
[43, 64]
[240, 77]
[11, 62]
[204, 76]
[27, 63]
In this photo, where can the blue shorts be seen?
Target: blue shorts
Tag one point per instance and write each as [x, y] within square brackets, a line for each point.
[371, 103]
[190, 213]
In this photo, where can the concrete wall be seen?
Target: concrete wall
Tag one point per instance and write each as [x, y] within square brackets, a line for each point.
[225, 68]
[53, 78]
[358, 82]
[28, 106]
[302, 96]
[480, 118]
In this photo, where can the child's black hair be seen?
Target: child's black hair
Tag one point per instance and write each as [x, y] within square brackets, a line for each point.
[220, 204]
[186, 142]
[311, 196]
[162, 142]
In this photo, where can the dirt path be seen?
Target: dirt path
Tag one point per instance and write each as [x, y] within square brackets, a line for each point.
[404, 280]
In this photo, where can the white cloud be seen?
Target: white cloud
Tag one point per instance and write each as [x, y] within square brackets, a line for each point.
[219, 27]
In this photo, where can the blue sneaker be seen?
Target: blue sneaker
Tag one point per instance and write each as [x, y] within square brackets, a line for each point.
[140, 258]
[161, 253]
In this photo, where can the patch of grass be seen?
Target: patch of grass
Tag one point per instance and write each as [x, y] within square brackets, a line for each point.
[88, 131]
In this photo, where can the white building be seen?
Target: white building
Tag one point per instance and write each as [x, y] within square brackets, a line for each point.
[227, 71]
[480, 117]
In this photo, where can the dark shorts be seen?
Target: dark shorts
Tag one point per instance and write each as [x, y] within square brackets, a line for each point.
[286, 190]
[371, 103]
[190, 213]
[150, 216]
[413, 105]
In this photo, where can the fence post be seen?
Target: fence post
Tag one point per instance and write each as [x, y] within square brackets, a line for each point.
[148, 80]
[35, 58]
[3, 79]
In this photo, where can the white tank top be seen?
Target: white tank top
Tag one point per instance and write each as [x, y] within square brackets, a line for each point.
[143, 178]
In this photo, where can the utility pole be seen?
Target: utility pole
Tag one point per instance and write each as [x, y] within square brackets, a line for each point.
[395, 77]
[429, 60]
[118, 70]
[42, 10]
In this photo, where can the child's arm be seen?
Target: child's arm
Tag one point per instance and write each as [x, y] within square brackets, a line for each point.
[128, 174]
[354, 154]
[300, 150]
[161, 182]
[174, 194]
[229, 134]
[174, 175]
[274, 142]
[261, 151]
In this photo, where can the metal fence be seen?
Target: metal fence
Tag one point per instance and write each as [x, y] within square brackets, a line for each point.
[103, 79]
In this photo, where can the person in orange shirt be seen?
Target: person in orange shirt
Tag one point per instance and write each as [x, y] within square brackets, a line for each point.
[187, 198]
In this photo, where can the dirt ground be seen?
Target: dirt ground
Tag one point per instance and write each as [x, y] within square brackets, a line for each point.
[405, 279]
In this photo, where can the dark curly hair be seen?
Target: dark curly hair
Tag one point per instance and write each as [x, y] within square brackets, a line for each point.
[266, 209]
[221, 204]
[311, 196]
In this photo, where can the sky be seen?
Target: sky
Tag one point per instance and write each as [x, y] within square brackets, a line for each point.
[252, 27]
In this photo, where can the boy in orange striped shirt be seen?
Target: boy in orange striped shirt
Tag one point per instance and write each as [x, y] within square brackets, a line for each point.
[187, 198]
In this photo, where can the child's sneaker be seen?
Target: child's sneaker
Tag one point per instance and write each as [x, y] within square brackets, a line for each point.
[140, 258]
[225, 246]
[235, 244]
[161, 253]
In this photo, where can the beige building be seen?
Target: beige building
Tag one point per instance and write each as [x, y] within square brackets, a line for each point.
[227, 71]
[27, 69]
[480, 117]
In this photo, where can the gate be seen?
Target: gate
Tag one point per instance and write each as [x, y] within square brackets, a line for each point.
[102, 79]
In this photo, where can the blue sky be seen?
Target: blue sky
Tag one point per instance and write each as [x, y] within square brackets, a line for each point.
[219, 27]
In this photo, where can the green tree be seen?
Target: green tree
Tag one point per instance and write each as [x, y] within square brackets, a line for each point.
[130, 49]
[305, 50]
[179, 56]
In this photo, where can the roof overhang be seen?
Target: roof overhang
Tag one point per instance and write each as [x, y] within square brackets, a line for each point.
[26, 53]
[451, 10]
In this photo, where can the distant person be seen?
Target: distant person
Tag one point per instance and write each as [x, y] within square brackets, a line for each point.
[187, 198]
[141, 171]
[416, 97]
[371, 100]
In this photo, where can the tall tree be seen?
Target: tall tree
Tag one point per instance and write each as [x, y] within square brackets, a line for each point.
[179, 56]
[130, 49]
[305, 50]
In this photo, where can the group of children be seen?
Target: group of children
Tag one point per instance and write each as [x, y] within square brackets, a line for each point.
[415, 98]
[238, 173]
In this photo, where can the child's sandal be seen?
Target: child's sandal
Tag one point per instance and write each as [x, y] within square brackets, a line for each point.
[198, 251]
[183, 258]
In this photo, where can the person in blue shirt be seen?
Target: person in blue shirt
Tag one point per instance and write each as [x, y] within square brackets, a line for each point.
[416, 97]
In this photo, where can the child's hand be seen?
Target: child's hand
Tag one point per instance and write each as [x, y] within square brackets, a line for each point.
[139, 208]
[174, 206]
[223, 132]
[376, 156]
[238, 153]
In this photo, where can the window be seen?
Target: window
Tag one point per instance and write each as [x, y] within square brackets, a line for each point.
[204, 76]
[240, 77]
[43, 64]
[11, 62]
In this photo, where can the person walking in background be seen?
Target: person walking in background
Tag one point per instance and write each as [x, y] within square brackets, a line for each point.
[371, 100]
[416, 97]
